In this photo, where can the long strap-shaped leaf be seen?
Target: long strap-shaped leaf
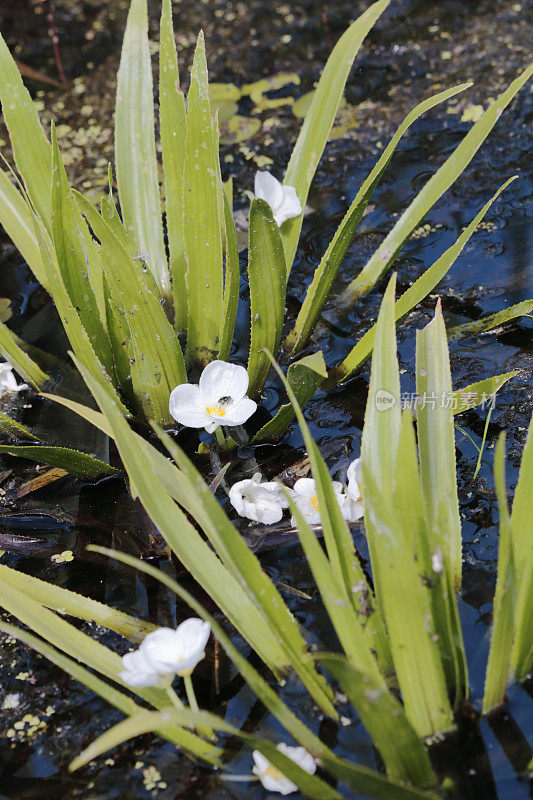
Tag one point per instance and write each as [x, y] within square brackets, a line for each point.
[320, 118]
[135, 153]
[428, 196]
[32, 152]
[521, 516]
[172, 117]
[198, 747]
[17, 221]
[78, 260]
[156, 359]
[389, 461]
[326, 271]
[232, 284]
[201, 223]
[412, 296]
[345, 565]
[498, 667]
[436, 440]
[12, 351]
[268, 281]
[359, 777]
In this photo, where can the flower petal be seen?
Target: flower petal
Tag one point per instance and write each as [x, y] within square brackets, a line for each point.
[305, 487]
[184, 405]
[289, 207]
[220, 380]
[240, 412]
[268, 188]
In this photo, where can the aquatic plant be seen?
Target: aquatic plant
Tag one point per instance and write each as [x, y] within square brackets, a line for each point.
[402, 633]
[143, 315]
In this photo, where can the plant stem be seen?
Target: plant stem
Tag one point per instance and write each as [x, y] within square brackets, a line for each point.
[191, 697]
[174, 699]
[221, 439]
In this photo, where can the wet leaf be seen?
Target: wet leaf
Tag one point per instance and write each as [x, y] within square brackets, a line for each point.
[492, 322]
[73, 461]
[13, 429]
[22, 363]
[17, 221]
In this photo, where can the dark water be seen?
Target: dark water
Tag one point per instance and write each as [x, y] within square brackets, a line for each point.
[487, 42]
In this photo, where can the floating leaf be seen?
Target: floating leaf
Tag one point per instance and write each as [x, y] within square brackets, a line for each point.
[80, 464]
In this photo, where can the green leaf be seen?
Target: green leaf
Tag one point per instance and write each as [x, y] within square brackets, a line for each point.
[420, 289]
[343, 559]
[268, 281]
[304, 377]
[31, 150]
[231, 283]
[64, 601]
[498, 667]
[13, 429]
[80, 464]
[151, 477]
[198, 500]
[64, 636]
[136, 161]
[22, 363]
[152, 347]
[320, 118]
[326, 271]
[172, 120]
[522, 553]
[71, 322]
[477, 393]
[436, 438]
[383, 716]
[388, 461]
[17, 221]
[78, 260]
[147, 721]
[492, 321]
[359, 777]
[203, 243]
[439, 183]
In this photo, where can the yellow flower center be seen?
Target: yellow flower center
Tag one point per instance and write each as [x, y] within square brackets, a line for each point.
[215, 411]
[274, 773]
[314, 501]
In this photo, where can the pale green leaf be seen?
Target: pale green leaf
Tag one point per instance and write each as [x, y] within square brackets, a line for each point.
[231, 282]
[172, 118]
[268, 280]
[14, 430]
[478, 393]
[136, 161]
[32, 152]
[17, 221]
[498, 667]
[201, 223]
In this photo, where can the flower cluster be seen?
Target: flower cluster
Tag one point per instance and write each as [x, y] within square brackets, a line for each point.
[265, 502]
[165, 653]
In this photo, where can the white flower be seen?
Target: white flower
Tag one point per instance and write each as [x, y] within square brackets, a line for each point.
[8, 382]
[218, 399]
[261, 502]
[272, 779]
[352, 503]
[166, 652]
[306, 498]
[283, 200]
